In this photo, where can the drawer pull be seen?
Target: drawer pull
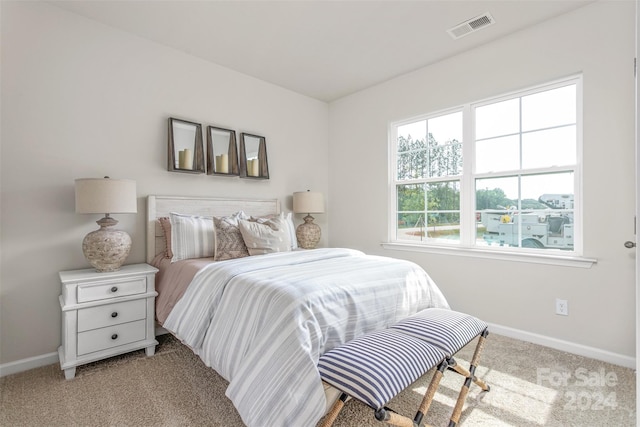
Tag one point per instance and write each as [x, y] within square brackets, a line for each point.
[114, 289]
[114, 336]
[114, 314]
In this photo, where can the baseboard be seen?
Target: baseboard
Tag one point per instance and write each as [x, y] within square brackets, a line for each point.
[43, 360]
[29, 363]
[567, 346]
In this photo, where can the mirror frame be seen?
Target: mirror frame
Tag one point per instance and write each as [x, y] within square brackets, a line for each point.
[263, 168]
[232, 151]
[198, 156]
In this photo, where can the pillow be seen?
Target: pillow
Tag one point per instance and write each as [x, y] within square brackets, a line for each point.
[229, 241]
[265, 237]
[287, 225]
[291, 228]
[192, 236]
[165, 224]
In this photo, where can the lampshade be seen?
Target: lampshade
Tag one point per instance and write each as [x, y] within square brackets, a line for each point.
[308, 202]
[105, 195]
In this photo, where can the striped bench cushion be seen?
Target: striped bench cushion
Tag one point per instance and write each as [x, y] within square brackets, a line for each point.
[376, 367]
[446, 329]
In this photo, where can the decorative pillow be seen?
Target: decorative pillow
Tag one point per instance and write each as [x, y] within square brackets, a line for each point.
[287, 225]
[265, 237]
[229, 241]
[191, 236]
[165, 224]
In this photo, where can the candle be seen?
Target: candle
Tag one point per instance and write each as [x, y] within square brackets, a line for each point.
[256, 167]
[224, 163]
[181, 159]
[218, 159]
[188, 159]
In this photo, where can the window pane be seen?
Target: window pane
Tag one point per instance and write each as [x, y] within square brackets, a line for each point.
[443, 211]
[410, 219]
[445, 160]
[499, 119]
[410, 198]
[443, 226]
[412, 165]
[443, 196]
[498, 154]
[542, 218]
[445, 145]
[497, 193]
[552, 147]
[411, 227]
[496, 199]
[536, 186]
[550, 108]
[412, 136]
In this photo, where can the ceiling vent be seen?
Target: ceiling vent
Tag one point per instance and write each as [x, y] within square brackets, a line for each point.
[471, 25]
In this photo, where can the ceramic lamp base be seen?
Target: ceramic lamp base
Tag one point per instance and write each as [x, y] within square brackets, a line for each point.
[308, 233]
[106, 249]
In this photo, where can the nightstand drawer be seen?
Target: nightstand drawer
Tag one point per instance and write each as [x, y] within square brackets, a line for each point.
[111, 314]
[112, 336]
[113, 288]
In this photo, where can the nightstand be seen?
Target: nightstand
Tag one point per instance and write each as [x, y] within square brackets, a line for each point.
[106, 314]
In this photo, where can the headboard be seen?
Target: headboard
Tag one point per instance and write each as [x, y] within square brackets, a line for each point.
[159, 206]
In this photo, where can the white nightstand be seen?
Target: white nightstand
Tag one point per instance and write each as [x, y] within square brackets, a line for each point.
[106, 314]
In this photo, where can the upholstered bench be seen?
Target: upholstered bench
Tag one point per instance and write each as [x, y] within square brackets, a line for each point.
[376, 367]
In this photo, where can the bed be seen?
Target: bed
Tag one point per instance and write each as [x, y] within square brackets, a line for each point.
[262, 321]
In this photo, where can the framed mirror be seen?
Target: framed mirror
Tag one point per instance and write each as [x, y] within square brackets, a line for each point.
[222, 152]
[186, 152]
[253, 156]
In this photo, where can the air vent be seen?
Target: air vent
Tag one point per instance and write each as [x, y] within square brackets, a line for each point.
[471, 25]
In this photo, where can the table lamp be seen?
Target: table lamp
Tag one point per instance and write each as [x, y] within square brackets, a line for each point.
[106, 249]
[308, 233]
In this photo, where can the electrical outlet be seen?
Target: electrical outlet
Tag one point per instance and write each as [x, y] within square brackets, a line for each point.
[562, 307]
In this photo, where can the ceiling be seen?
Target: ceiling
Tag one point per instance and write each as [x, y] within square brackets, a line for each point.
[323, 49]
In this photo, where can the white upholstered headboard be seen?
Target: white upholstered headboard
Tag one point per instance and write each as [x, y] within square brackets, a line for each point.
[159, 206]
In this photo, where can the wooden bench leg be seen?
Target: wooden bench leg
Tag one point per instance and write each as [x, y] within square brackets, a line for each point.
[470, 376]
[394, 419]
[431, 391]
[330, 418]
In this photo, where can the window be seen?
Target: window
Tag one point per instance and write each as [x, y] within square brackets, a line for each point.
[497, 174]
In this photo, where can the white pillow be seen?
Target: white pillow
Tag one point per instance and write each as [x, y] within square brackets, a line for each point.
[287, 224]
[192, 236]
[291, 228]
[265, 237]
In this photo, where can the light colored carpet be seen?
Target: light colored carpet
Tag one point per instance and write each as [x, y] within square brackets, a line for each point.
[530, 386]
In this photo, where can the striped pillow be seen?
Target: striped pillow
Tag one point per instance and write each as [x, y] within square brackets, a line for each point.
[191, 236]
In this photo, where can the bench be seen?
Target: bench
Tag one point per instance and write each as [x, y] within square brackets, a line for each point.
[375, 367]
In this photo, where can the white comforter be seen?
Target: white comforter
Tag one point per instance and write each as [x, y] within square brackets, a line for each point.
[262, 322]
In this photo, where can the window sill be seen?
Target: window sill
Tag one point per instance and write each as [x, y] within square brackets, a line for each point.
[550, 259]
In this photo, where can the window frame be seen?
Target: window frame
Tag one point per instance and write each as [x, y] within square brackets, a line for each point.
[467, 243]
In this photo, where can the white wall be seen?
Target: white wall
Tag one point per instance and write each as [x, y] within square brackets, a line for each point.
[597, 40]
[80, 99]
